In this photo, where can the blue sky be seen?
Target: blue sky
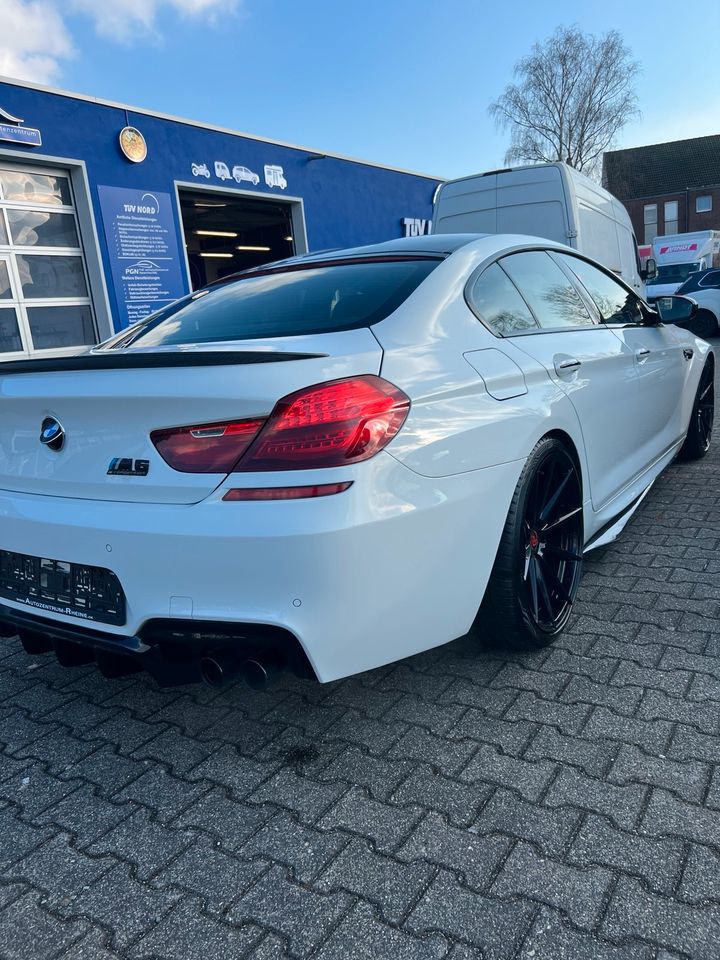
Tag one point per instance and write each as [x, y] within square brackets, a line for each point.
[402, 82]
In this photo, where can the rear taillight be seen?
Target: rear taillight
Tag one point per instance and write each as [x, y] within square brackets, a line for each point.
[326, 425]
[329, 425]
[206, 447]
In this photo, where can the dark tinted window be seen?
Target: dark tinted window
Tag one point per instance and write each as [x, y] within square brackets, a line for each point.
[698, 281]
[312, 300]
[710, 279]
[553, 299]
[499, 304]
[614, 302]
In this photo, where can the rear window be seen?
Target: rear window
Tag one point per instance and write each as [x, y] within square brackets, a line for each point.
[319, 299]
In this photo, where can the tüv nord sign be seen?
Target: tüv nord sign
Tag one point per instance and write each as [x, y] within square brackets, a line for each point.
[412, 227]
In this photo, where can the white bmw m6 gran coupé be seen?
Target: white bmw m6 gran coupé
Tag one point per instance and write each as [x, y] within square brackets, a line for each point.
[331, 462]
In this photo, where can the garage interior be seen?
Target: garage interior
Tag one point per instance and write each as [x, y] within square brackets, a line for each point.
[225, 233]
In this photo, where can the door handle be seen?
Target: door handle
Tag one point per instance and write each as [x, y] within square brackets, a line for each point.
[567, 365]
[642, 354]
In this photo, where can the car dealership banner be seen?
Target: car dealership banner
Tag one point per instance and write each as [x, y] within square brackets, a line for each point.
[143, 251]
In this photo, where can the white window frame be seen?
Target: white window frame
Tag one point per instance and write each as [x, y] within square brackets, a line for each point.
[708, 209]
[76, 172]
[13, 302]
[671, 220]
[16, 250]
[650, 223]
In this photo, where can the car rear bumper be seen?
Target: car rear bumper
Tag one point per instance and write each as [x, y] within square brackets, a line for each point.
[394, 565]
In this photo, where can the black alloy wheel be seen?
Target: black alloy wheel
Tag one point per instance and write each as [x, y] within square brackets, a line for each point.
[538, 566]
[553, 541]
[699, 435]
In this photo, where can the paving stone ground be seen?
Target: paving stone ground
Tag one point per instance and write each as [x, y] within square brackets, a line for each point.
[459, 805]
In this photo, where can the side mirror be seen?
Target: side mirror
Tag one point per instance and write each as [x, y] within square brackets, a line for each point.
[650, 271]
[675, 309]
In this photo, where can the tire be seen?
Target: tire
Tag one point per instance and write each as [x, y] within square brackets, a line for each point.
[537, 569]
[704, 324]
[699, 434]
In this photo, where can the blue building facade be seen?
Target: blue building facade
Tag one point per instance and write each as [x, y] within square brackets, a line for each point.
[109, 212]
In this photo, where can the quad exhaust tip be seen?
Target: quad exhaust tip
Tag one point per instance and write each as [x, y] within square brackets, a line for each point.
[257, 672]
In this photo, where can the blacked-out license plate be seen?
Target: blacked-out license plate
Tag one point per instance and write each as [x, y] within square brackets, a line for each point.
[56, 586]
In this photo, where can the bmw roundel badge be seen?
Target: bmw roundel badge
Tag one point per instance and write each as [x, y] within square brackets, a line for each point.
[52, 433]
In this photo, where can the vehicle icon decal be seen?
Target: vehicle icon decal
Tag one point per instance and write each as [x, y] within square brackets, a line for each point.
[200, 170]
[275, 176]
[243, 175]
[222, 171]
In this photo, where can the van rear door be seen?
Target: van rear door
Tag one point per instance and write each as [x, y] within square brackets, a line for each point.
[467, 206]
[534, 201]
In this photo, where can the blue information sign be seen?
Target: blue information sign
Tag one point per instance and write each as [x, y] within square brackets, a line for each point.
[143, 250]
[26, 135]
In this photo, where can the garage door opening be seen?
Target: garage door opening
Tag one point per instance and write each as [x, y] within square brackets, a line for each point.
[225, 233]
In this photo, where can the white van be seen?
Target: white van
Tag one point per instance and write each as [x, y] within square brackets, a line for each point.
[544, 200]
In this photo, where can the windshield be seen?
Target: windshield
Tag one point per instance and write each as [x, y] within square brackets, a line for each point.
[674, 272]
[320, 298]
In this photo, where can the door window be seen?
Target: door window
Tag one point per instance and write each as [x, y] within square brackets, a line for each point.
[650, 221]
[5, 291]
[498, 303]
[615, 304]
[40, 228]
[10, 341]
[44, 298]
[671, 216]
[551, 296]
[28, 186]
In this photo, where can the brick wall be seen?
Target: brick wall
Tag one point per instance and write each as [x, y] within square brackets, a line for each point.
[688, 219]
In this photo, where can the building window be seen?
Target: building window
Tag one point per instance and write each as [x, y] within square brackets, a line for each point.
[671, 216]
[44, 297]
[650, 218]
[703, 204]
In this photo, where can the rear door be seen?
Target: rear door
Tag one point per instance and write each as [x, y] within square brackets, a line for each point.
[587, 361]
[657, 351]
[532, 201]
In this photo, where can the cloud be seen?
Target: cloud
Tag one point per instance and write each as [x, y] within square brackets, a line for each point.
[34, 40]
[122, 19]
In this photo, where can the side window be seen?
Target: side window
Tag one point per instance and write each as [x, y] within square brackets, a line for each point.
[499, 304]
[551, 296]
[711, 279]
[615, 303]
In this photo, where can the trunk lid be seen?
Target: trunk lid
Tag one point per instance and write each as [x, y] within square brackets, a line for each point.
[108, 403]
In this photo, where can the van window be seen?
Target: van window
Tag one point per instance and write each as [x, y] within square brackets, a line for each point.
[552, 298]
[499, 304]
[321, 298]
[615, 304]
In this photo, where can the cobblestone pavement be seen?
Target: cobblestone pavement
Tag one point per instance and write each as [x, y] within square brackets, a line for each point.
[458, 805]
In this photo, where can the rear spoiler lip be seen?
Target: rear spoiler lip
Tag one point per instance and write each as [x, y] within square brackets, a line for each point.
[132, 360]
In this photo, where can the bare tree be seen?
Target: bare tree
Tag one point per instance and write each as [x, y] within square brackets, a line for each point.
[572, 96]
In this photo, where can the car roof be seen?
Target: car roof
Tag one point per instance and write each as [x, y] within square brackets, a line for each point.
[440, 245]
